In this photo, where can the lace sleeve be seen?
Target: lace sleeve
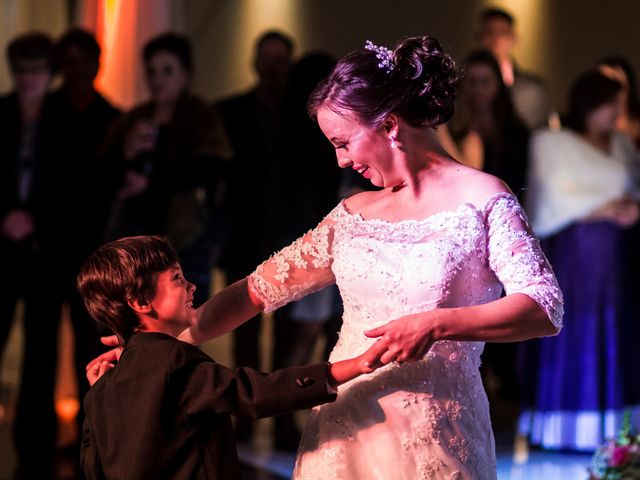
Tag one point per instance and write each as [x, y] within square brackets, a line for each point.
[517, 259]
[297, 270]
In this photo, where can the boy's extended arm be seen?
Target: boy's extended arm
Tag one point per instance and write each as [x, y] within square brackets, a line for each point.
[206, 385]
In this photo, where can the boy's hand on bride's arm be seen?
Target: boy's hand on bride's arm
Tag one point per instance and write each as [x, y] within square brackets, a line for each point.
[97, 370]
[408, 338]
[110, 356]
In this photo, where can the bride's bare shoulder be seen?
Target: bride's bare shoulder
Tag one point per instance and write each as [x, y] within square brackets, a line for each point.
[360, 201]
[477, 187]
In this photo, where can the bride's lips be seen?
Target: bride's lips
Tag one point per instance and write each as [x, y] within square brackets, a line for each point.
[363, 170]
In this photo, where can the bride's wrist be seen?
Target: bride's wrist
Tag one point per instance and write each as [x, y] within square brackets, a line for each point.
[442, 324]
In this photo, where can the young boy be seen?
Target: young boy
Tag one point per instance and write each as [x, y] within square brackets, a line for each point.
[164, 411]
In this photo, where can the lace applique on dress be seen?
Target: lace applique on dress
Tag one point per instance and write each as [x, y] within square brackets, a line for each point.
[460, 447]
[297, 270]
[429, 470]
[517, 258]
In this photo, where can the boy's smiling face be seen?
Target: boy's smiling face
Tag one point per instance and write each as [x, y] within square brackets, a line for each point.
[172, 303]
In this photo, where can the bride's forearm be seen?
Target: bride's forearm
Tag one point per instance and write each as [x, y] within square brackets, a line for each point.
[512, 318]
[222, 313]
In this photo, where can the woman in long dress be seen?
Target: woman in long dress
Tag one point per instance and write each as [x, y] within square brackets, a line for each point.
[582, 200]
[168, 155]
[485, 108]
[432, 249]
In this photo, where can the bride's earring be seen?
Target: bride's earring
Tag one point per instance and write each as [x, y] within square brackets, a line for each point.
[393, 142]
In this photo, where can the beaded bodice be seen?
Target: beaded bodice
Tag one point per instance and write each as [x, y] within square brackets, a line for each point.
[386, 270]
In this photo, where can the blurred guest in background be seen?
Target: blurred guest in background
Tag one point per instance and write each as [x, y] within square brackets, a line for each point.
[528, 91]
[255, 124]
[30, 59]
[26, 123]
[484, 109]
[618, 68]
[490, 136]
[582, 200]
[168, 153]
[72, 213]
[307, 171]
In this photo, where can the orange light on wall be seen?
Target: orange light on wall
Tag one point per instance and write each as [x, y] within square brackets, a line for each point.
[122, 27]
[107, 15]
[67, 408]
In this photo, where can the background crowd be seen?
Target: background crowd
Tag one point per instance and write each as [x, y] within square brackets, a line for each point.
[218, 177]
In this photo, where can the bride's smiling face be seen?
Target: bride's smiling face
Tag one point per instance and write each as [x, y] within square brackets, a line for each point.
[367, 150]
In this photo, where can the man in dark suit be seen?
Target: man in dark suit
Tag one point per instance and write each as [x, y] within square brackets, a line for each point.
[163, 412]
[71, 209]
[27, 188]
[528, 91]
[255, 124]
[531, 103]
[24, 142]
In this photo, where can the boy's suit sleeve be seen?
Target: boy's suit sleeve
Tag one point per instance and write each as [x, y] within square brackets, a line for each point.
[206, 386]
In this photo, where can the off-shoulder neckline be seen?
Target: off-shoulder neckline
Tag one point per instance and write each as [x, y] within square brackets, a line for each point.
[442, 213]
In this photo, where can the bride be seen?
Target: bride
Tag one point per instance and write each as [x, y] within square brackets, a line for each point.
[431, 251]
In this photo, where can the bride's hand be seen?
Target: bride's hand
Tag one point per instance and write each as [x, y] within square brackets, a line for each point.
[408, 338]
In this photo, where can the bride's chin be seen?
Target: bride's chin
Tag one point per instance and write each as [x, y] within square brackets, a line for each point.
[377, 181]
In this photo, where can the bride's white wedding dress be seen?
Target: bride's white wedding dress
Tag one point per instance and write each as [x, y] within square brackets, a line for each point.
[428, 419]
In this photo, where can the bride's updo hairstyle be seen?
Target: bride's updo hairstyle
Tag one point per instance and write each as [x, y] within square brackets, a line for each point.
[417, 83]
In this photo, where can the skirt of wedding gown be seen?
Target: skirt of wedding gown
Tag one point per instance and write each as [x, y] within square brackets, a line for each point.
[423, 420]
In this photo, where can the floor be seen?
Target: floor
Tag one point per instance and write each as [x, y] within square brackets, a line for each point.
[260, 462]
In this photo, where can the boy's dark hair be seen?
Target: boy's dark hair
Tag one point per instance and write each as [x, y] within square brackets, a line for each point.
[80, 39]
[123, 270]
[173, 43]
[31, 46]
[495, 12]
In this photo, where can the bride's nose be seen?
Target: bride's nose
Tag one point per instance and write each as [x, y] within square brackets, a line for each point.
[344, 162]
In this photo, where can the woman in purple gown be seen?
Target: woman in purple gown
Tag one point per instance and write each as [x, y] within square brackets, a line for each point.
[582, 200]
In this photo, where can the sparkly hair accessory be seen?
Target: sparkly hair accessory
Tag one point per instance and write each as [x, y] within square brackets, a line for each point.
[383, 54]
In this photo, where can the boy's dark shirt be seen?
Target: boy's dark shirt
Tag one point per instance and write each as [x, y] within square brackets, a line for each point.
[164, 411]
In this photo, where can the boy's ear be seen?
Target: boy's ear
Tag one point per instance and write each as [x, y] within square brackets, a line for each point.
[139, 305]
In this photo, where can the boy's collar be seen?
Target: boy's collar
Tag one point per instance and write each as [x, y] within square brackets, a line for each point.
[142, 334]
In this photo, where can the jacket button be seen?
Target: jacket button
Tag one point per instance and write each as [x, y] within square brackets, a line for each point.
[305, 382]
